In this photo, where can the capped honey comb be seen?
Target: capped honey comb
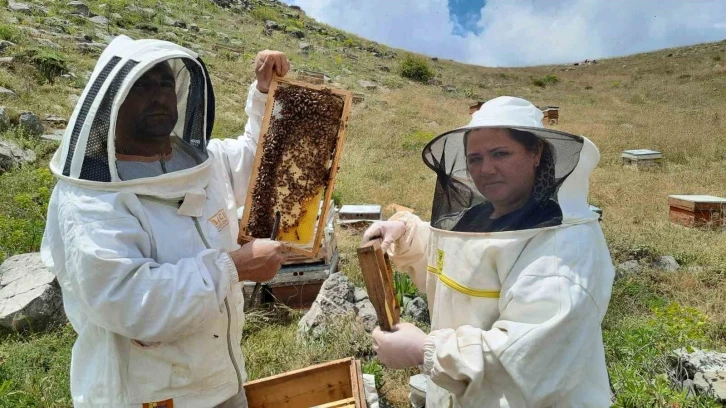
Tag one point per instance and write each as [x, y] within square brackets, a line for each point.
[296, 163]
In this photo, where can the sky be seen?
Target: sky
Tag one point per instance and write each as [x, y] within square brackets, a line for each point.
[510, 33]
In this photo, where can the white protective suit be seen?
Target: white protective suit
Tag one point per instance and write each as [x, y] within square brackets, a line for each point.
[515, 315]
[147, 283]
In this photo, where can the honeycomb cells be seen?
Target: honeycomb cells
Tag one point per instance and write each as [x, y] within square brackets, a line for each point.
[296, 159]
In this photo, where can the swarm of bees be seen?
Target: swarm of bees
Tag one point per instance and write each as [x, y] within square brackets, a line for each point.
[297, 153]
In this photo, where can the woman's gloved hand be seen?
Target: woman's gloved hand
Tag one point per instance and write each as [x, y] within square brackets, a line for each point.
[401, 348]
[388, 231]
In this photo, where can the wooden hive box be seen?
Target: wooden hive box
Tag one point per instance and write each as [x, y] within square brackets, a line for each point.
[301, 141]
[360, 212]
[697, 211]
[316, 78]
[551, 115]
[336, 384]
[642, 159]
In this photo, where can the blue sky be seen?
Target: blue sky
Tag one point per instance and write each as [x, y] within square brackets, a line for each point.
[525, 32]
[466, 15]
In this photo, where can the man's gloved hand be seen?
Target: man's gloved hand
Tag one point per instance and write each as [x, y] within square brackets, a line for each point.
[401, 348]
[259, 260]
[266, 63]
[388, 231]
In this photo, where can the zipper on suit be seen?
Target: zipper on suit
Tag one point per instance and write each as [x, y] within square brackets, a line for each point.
[229, 314]
[177, 203]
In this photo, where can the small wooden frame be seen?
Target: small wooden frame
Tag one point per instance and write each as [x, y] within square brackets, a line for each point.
[336, 384]
[308, 250]
[697, 211]
[378, 276]
[642, 159]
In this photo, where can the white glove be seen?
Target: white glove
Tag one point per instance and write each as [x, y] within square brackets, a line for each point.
[401, 348]
[388, 231]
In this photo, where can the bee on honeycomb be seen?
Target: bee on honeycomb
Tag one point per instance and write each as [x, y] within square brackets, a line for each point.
[297, 154]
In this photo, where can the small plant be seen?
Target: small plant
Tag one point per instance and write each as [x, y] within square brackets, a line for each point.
[263, 13]
[716, 58]
[349, 43]
[416, 68]
[404, 287]
[374, 368]
[50, 64]
[416, 141]
[550, 79]
[337, 199]
[9, 33]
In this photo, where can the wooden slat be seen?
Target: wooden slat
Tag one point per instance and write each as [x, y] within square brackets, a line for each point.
[378, 277]
[347, 96]
[338, 404]
[359, 393]
[307, 387]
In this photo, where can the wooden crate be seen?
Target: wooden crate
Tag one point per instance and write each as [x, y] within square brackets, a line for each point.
[336, 384]
[378, 276]
[312, 247]
[642, 159]
[697, 211]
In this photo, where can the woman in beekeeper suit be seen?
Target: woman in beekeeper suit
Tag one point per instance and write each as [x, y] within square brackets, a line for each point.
[514, 264]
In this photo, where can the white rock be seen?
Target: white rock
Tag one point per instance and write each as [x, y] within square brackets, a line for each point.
[30, 298]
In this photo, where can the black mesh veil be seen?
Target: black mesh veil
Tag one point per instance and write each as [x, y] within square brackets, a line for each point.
[459, 206]
[195, 104]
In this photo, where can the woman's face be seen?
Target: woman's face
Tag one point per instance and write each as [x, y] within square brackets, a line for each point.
[503, 170]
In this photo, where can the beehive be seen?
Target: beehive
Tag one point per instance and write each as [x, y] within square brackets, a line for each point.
[302, 136]
[697, 211]
[551, 115]
[642, 159]
[337, 384]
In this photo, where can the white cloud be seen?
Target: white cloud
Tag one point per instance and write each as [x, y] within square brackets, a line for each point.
[528, 32]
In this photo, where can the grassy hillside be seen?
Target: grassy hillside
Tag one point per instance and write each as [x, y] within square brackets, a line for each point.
[673, 101]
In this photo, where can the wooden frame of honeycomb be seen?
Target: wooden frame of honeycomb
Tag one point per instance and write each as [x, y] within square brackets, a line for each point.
[296, 163]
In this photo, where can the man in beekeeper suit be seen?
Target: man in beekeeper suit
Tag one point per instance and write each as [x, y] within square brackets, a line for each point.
[514, 264]
[141, 231]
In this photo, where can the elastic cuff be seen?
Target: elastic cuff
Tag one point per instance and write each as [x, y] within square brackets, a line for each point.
[257, 94]
[231, 269]
[403, 243]
[429, 350]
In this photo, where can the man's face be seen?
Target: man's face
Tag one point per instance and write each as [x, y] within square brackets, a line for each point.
[149, 110]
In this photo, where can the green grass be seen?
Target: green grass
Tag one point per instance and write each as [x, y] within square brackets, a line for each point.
[34, 371]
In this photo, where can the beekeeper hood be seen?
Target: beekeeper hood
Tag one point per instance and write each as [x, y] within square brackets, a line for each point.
[88, 152]
[561, 178]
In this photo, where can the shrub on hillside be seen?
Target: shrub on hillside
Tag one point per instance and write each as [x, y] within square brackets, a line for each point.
[546, 80]
[416, 68]
[9, 33]
[50, 64]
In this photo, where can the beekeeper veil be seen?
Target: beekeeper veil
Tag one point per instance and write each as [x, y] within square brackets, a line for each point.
[88, 151]
[559, 193]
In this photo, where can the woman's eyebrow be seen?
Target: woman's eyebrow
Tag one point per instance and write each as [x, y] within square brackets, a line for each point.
[493, 149]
